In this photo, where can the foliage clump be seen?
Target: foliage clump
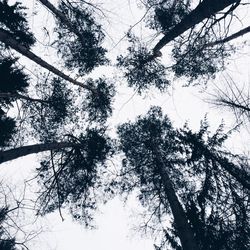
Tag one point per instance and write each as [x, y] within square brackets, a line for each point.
[140, 70]
[13, 79]
[49, 116]
[6, 242]
[197, 62]
[73, 177]
[82, 49]
[7, 128]
[166, 14]
[13, 20]
[98, 103]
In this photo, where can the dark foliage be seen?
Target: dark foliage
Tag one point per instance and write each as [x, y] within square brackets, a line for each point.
[219, 232]
[98, 104]
[196, 62]
[73, 177]
[6, 243]
[49, 117]
[7, 128]
[13, 20]
[140, 71]
[82, 49]
[166, 14]
[195, 56]
[13, 79]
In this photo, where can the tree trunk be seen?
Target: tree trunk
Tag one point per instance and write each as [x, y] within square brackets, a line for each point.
[229, 38]
[6, 38]
[184, 230]
[24, 97]
[15, 153]
[61, 16]
[204, 10]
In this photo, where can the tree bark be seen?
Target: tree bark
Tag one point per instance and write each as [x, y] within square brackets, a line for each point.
[6, 38]
[184, 230]
[204, 10]
[15, 153]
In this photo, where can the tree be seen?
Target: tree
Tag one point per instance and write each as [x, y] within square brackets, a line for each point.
[84, 51]
[198, 38]
[65, 122]
[170, 172]
[204, 10]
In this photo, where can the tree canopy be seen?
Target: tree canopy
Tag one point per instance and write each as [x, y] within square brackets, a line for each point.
[194, 188]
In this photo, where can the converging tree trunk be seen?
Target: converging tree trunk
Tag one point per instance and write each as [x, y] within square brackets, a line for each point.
[204, 10]
[61, 16]
[241, 32]
[6, 38]
[15, 153]
[24, 97]
[184, 230]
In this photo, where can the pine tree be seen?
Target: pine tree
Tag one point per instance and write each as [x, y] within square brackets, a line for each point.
[175, 175]
[198, 38]
[65, 122]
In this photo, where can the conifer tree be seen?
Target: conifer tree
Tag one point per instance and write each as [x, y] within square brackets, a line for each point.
[175, 175]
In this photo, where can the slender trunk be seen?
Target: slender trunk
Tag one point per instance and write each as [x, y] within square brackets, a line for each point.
[6, 38]
[229, 38]
[61, 16]
[24, 97]
[184, 230]
[15, 153]
[204, 10]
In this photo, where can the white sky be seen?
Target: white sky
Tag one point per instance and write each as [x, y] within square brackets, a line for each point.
[181, 104]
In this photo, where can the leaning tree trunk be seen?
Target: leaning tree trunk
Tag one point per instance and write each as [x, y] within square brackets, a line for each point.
[61, 17]
[20, 96]
[15, 153]
[6, 38]
[204, 10]
[184, 230]
[240, 33]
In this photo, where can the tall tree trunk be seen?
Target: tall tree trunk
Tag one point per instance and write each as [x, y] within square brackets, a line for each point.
[6, 38]
[184, 230]
[15, 153]
[204, 10]
[61, 16]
